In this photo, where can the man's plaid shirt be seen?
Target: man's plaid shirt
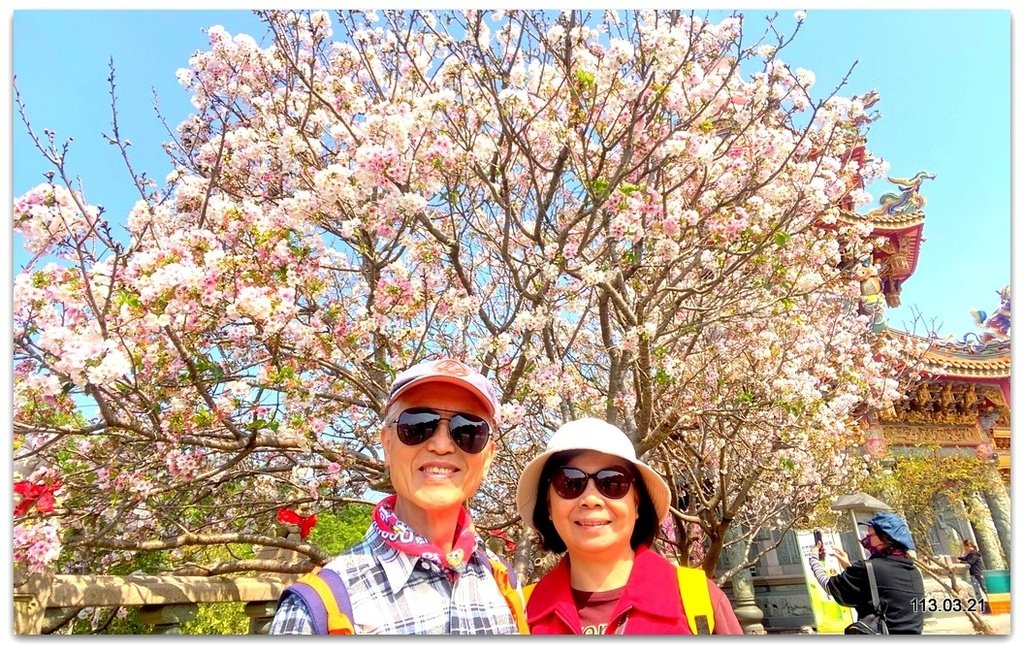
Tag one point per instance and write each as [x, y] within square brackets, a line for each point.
[395, 593]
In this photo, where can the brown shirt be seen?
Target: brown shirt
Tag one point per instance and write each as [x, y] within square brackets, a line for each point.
[595, 608]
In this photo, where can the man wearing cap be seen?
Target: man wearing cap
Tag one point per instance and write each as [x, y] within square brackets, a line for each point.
[899, 582]
[421, 568]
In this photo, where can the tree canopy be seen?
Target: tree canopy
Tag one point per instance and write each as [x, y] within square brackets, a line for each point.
[636, 215]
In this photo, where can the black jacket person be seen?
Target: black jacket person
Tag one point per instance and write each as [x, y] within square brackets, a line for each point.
[899, 582]
[972, 558]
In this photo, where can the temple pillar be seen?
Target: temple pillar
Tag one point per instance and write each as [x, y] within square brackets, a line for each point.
[998, 501]
[989, 546]
[746, 609]
[743, 604]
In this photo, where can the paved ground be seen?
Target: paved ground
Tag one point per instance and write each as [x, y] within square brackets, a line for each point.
[954, 623]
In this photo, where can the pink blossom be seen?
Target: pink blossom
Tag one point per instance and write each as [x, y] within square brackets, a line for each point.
[670, 227]
[378, 205]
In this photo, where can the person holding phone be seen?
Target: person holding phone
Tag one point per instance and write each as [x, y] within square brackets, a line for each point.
[887, 539]
[819, 544]
[588, 495]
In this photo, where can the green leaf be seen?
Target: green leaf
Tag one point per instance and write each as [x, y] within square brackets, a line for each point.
[334, 533]
[585, 79]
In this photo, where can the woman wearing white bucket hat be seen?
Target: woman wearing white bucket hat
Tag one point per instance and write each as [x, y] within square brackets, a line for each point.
[589, 496]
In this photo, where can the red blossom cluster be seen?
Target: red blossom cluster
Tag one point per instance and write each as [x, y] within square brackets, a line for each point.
[305, 523]
[38, 495]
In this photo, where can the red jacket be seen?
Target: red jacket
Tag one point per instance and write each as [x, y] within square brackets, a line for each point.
[651, 598]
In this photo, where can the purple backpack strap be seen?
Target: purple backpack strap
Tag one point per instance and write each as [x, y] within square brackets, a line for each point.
[315, 604]
[513, 580]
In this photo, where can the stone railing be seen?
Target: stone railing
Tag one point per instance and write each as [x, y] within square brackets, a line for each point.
[166, 601]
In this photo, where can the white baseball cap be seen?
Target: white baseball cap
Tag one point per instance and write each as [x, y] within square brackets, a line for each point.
[588, 434]
[448, 371]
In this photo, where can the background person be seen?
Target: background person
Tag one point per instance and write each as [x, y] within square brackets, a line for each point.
[899, 581]
[976, 568]
[421, 568]
[588, 495]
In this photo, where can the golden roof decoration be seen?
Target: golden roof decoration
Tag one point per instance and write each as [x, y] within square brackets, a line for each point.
[961, 358]
[945, 360]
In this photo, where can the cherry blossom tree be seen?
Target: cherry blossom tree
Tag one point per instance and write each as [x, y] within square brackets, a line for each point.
[633, 215]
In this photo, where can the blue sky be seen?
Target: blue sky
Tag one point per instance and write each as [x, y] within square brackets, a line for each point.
[943, 76]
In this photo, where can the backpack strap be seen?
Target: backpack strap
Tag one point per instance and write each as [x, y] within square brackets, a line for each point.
[693, 589]
[694, 592]
[508, 584]
[879, 606]
[528, 591]
[326, 598]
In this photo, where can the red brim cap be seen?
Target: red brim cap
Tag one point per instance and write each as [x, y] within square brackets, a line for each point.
[448, 371]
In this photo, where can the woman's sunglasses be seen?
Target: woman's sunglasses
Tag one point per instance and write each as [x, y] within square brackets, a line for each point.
[417, 425]
[613, 482]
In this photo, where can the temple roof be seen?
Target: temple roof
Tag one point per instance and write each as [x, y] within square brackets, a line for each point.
[968, 358]
[899, 221]
[886, 223]
[952, 360]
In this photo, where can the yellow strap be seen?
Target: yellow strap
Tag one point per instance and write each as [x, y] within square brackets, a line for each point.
[337, 622]
[511, 595]
[693, 589]
[528, 591]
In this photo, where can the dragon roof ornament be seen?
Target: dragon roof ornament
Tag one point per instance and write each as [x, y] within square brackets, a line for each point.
[903, 204]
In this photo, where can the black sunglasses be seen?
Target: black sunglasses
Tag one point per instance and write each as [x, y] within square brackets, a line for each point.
[613, 482]
[417, 425]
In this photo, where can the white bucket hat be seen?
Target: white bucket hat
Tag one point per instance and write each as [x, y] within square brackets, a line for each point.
[588, 435]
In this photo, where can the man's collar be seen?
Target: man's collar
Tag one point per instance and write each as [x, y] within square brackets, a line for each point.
[398, 566]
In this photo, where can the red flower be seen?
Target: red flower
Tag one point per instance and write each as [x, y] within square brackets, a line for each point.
[305, 523]
[510, 544]
[40, 495]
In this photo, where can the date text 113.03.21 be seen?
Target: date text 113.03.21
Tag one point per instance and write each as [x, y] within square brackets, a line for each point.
[947, 604]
